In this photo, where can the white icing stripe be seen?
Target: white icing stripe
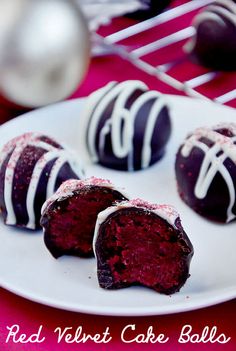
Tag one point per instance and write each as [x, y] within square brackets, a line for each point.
[212, 163]
[9, 173]
[9, 177]
[43, 145]
[121, 142]
[230, 5]
[34, 181]
[121, 123]
[122, 91]
[51, 152]
[224, 11]
[8, 148]
[153, 116]
[54, 174]
[95, 118]
[63, 158]
[135, 108]
[226, 144]
[217, 11]
[128, 128]
[207, 16]
[8, 184]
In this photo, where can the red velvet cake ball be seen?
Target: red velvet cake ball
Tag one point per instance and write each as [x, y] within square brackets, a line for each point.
[137, 243]
[69, 216]
[128, 126]
[214, 43]
[206, 172]
[32, 167]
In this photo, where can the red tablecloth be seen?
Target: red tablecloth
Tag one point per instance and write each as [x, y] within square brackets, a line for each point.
[30, 316]
[34, 318]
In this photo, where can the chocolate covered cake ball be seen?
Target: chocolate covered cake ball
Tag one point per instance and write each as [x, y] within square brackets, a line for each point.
[214, 44]
[32, 166]
[138, 243]
[69, 216]
[150, 8]
[206, 172]
[128, 126]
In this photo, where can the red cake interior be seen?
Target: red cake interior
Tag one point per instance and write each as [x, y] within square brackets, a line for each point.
[69, 224]
[142, 248]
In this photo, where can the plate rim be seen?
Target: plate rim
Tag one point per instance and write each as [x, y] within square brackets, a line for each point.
[229, 294]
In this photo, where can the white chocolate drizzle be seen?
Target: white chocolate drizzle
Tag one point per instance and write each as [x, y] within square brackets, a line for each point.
[223, 147]
[219, 10]
[120, 124]
[16, 148]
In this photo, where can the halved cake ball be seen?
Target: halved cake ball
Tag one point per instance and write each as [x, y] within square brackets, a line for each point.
[32, 167]
[69, 216]
[137, 243]
[206, 172]
[214, 42]
[128, 126]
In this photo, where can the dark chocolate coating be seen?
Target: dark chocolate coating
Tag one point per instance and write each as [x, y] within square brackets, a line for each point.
[69, 223]
[159, 137]
[137, 247]
[215, 204]
[152, 8]
[215, 45]
[23, 171]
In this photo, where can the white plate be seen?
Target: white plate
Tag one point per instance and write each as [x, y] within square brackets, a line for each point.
[27, 268]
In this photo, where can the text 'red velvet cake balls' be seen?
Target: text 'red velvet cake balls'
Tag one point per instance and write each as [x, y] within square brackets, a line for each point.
[128, 126]
[206, 172]
[32, 166]
[69, 216]
[214, 44]
[137, 243]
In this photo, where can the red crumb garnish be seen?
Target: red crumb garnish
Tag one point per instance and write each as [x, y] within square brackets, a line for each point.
[69, 186]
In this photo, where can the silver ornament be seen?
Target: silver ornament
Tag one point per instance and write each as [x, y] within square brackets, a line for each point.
[44, 50]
